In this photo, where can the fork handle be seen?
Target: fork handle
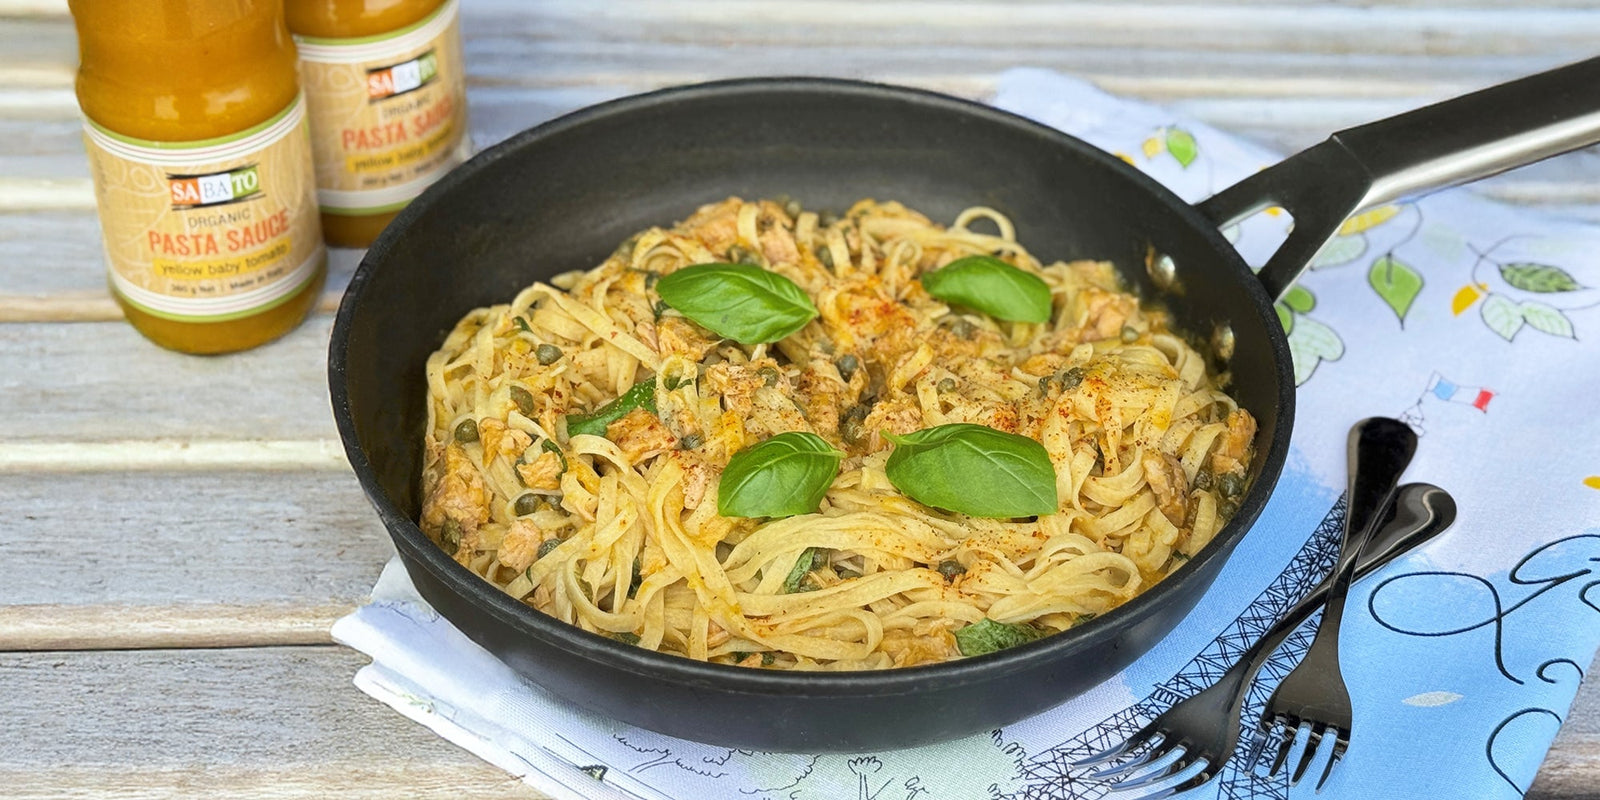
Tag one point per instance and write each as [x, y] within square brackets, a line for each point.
[1420, 512]
[1379, 449]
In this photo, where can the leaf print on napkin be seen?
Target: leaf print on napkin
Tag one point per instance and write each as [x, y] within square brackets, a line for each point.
[1546, 319]
[1367, 220]
[1181, 144]
[1397, 283]
[1340, 250]
[1310, 344]
[1502, 316]
[1507, 317]
[1300, 299]
[1465, 297]
[1540, 278]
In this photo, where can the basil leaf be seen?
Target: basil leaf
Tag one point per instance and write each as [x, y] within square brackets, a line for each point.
[802, 566]
[988, 636]
[992, 286]
[550, 446]
[973, 470]
[641, 395]
[780, 477]
[738, 301]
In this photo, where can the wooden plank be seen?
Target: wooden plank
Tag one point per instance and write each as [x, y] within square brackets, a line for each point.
[265, 722]
[144, 454]
[105, 387]
[58, 8]
[1276, 50]
[55, 270]
[1569, 771]
[183, 558]
[277, 723]
[62, 626]
[1435, 29]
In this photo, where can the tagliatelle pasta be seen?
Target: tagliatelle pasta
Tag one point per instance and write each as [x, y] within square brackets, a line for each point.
[616, 530]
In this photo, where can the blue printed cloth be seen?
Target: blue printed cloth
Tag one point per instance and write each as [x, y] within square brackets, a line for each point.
[1473, 321]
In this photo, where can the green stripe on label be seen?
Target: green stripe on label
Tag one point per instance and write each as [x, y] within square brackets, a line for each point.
[197, 144]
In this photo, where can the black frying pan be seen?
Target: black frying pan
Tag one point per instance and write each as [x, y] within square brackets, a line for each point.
[562, 195]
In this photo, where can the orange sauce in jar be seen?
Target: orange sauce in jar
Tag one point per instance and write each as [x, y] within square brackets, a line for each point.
[197, 142]
[385, 88]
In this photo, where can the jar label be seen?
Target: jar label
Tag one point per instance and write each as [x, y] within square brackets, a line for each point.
[211, 230]
[388, 113]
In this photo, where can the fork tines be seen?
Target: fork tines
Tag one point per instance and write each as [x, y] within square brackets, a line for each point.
[1290, 728]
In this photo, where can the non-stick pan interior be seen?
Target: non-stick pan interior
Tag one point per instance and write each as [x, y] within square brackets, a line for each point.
[563, 196]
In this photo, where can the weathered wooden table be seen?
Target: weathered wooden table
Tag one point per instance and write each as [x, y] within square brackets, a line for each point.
[177, 533]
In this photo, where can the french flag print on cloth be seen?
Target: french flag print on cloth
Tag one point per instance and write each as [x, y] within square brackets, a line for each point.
[1475, 396]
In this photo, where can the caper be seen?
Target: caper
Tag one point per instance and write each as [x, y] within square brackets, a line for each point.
[1130, 334]
[548, 546]
[848, 364]
[962, 328]
[524, 400]
[1204, 479]
[691, 441]
[744, 255]
[825, 255]
[522, 324]
[548, 354]
[851, 427]
[827, 218]
[467, 431]
[947, 385]
[626, 637]
[769, 374]
[1231, 484]
[1226, 509]
[1044, 385]
[1071, 378]
[790, 205]
[950, 569]
[450, 536]
[526, 504]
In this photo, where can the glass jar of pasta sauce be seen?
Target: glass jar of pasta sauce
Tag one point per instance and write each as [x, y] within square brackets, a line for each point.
[197, 140]
[387, 97]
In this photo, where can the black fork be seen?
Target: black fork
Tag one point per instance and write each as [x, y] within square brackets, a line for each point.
[1313, 697]
[1206, 725]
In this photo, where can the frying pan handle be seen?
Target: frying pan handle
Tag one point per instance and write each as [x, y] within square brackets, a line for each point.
[1445, 144]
